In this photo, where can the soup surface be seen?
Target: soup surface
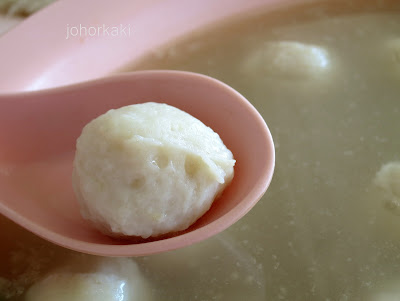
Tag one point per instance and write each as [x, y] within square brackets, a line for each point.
[326, 78]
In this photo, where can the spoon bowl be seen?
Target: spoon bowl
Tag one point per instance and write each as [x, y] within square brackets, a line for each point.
[38, 132]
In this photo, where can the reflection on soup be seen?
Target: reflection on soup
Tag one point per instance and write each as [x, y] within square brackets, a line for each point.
[326, 78]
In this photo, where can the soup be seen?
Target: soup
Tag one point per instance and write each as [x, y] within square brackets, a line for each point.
[326, 78]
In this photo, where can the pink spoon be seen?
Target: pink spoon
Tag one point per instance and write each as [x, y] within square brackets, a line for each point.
[38, 131]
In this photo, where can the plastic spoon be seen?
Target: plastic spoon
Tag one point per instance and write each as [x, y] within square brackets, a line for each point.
[38, 131]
